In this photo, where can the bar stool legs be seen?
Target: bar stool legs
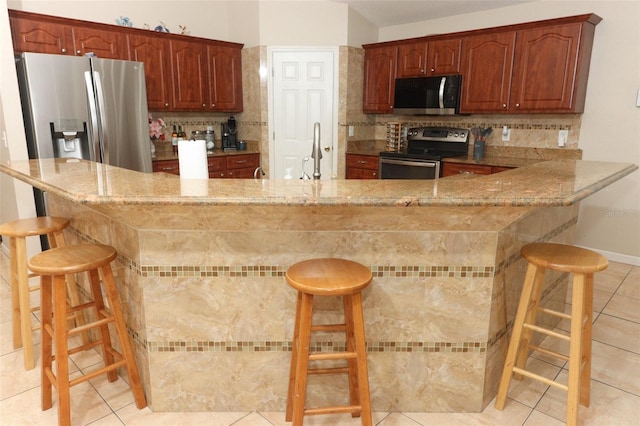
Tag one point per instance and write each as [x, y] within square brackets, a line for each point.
[53, 265]
[329, 277]
[582, 263]
[17, 231]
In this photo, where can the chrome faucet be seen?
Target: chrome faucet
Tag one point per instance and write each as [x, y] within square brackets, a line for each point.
[258, 171]
[316, 152]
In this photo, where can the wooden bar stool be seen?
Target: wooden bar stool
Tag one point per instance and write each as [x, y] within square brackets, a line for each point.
[17, 231]
[582, 263]
[53, 265]
[329, 277]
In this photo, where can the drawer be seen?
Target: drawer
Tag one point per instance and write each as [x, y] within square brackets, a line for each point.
[247, 161]
[362, 161]
[451, 169]
[166, 166]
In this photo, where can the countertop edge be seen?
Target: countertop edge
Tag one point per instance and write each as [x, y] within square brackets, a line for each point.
[309, 196]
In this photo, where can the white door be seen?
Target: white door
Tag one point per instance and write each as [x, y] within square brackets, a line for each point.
[303, 94]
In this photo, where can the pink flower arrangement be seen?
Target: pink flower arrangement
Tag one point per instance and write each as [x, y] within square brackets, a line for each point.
[155, 128]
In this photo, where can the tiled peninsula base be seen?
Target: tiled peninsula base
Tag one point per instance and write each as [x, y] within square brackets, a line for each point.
[211, 316]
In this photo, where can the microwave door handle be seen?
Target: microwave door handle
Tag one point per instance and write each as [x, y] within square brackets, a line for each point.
[441, 92]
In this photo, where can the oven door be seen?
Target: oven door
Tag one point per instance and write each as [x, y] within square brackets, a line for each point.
[409, 168]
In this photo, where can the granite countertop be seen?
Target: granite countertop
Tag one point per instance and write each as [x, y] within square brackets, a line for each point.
[546, 183]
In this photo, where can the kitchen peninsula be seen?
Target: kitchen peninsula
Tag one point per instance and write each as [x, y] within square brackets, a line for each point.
[201, 273]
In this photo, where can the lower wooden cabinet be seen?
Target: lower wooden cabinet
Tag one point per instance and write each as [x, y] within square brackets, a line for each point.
[241, 166]
[361, 166]
[452, 169]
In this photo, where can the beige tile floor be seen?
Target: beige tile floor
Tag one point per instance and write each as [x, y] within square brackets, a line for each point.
[615, 385]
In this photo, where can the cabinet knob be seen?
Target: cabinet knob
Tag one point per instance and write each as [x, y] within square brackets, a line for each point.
[504, 105]
[167, 104]
[213, 105]
[78, 52]
[517, 105]
[204, 105]
[64, 50]
[433, 70]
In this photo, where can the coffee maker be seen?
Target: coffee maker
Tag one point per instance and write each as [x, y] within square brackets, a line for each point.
[229, 135]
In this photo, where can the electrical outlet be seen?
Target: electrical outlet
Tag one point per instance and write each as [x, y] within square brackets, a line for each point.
[352, 130]
[506, 134]
[563, 135]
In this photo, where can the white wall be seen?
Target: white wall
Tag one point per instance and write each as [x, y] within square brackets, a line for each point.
[209, 19]
[609, 220]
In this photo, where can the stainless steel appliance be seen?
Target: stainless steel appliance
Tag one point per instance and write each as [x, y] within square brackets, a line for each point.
[229, 135]
[84, 107]
[426, 147]
[438, 95]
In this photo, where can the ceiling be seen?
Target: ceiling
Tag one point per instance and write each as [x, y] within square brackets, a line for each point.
[384, 13]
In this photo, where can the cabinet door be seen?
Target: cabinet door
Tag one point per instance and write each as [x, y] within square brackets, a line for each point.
[225, 78]
[379, 79]
[155, 53]
[40, 36]
[544, 70]
[105, 44]
[217, 167]
[486, 72]
[188, 61]
[412, 60]
[443, 57]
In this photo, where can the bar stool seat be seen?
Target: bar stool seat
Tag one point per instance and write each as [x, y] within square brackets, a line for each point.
[329, 277]
[53, 265]
[17, 231]
[583, 264]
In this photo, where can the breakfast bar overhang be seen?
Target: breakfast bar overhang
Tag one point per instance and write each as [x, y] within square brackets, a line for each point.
[201, 266]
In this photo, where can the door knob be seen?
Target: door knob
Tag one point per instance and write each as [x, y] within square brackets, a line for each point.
[327, 148]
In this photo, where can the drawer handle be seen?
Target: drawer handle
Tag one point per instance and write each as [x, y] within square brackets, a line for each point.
[362, 162]
[241, 161]
[169, 168]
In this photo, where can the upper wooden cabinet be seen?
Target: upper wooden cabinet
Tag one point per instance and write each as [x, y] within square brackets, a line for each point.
[437, 57]
[549, 69]
[189, 61]
[487, 69]
[103, 43]
[182, 73]
[535, 67]
[225, 78]
[379, 79]
[45, 34]
[541, 69]
[40, 36]
[155, 53]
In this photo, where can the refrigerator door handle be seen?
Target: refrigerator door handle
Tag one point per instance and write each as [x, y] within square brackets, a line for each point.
[97, 80]
[94, 137]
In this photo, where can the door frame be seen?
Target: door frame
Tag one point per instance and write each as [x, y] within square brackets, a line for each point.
[271, 50]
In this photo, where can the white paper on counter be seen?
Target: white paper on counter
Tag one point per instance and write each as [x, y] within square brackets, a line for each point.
[192, 159]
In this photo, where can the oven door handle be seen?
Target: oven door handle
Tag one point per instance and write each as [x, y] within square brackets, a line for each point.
[430, 164]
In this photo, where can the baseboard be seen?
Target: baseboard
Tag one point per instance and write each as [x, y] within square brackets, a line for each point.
[617, 257]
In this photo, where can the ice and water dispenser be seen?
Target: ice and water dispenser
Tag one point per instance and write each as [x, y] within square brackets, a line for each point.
[70, 139]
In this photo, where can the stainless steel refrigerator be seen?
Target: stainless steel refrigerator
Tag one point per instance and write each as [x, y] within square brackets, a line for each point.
[84, 107]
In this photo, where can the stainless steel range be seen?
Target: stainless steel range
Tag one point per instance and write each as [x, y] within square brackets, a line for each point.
[426, 147]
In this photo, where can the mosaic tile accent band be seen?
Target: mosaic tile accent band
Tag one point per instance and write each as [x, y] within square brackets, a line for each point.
[327, 346]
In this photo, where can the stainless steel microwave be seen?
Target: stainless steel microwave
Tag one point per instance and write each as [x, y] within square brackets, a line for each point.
[438, 95]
